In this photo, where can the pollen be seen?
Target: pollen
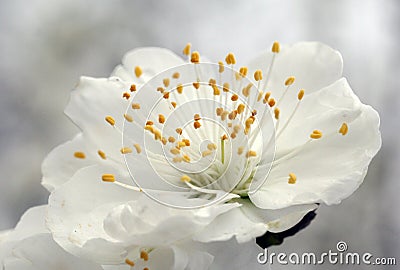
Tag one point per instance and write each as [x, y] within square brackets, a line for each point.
[138, 71]
[126, 95]
[110, 120]
[225, 87]
[316, 134]
[221, 67]
[101, 154]
[185, 178]
[276, 47]
[230, 59]
[133, 88]
[344, 129]
[196, 85]
[166, 82]
[258, 75]
[144, 255]
[251, 153]
[211, 146]
[126, 150]
[234, 97]
[292, 178]
[276, 113]
[161, 119]
[196, 124]
[135, 106]
[138, 148]
[108, 177]
[176, 75]
[179, 88]
[271, 102]
[128, 118]
[186, 50]
[129, 262]
[80, 155]
[240, 150]
[195, 57]
[300, 95]
[290, 80]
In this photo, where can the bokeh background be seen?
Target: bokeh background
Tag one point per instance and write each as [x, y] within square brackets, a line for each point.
[46, 45]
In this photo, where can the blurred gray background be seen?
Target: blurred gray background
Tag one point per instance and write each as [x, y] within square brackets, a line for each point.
[46, 45]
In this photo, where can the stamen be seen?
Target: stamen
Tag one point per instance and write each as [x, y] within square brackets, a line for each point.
[110, 120]
[230, 59]
[133, 88]
[80, 155]
[243, 71]
[211, 82]
[173, 103]
[138, 71]
[186, 141]
[240, 150]
[171, 139]
[246, 90]
[179, 88]
[144, 255]
[126, 95]
[108, 178]
[260, 95]
[221, 67]
[196, 124]
[177, 159]
[186, 50]
[234, 97]
[126, 150]
[276, 113]
[135, 106]
[149, 123]
[211, 146]
[258, 75]
[276, 47]
[206, 153]
[290, 80]
[186, 158]
[175, 151]
[101, 154]
[240, 108]
[344, 129]
[179, 131]
[129, 262]
[195, 58]
[185, 178]
[292, 178]
[251, 153]
[271, 102]
[166, 82]
[219, 111]
[128, 118]
[316, 134]
[225, 87]
[138, 148]
[216, 90]
[266, 97]
[176, 75]
[166, 95]
[161, 119]
[300, 95]
[196, 85]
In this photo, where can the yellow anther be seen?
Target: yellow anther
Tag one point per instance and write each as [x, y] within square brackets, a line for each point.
[221, 67]
[275, 47]
[211, 82]
[179, 131]
[149, 123]
[240, 108]
[186, 141]
[219, 111]
[164, 140]
[230, 59]
[177, 159]
[157, 134]
[225, 87]
[179, 88]
[144, 255]
[232, 115]
[260, 95]
[149, 128]
[129, 262]
[173, 103]
[344, 129]
[126, 150]
[128, 118]
[185, 178]
[180, 144]
[175, 151]
[186, 50]
[290, 80]
[135, 106]
[101, 154]
[246, 90]
[236, 128]
[243, 71]
[249, 121]
[258, 75]
[240, 150]
[161, 89]
[266, 97]
[246, 130]
[206, 153]
[110, 120]
[271, 102]
[216, 90]
[251, 153]
[176, 75]
[133, 88]
[196, 85]
[161, 119]
[211, 146]
[126, 95]
[138, 71]
[224, 137]
[316, 134]
[224, 115]
[108, 177]
[292, 178]
[233, 135]
[166, 82]
[80, 155]
[137, 148]
[166, 95]
[253, 112]
[196, 124]
[195, 58]
[186, 158]
[276, 113]
[300, 95]
[171, 139]
[196, 117]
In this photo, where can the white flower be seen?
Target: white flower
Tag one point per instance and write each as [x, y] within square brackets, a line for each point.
[301, 137]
